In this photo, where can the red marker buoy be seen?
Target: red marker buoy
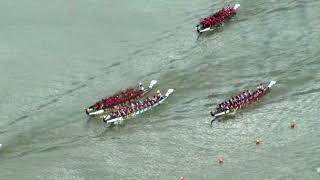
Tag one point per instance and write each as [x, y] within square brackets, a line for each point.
[293, 124]
[258, 141]
[181, 178]
[220, 159]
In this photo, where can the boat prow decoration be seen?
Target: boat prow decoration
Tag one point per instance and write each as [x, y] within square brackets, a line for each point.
[169, 92]
[272, 83]
[236, 6]
[152, 83]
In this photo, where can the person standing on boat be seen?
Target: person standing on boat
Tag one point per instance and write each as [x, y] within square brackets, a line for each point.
[158, 94]
[140, 87]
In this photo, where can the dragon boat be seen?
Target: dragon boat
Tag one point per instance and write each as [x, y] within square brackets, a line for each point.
[110, 120]
[121, 97]
[211, 22]
[245, 102]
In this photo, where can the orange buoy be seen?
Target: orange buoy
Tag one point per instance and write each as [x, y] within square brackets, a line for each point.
[181, 177]
[293, 124]
[258, 141]
[220, 159]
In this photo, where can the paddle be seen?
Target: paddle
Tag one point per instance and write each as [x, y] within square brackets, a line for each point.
[152, 83]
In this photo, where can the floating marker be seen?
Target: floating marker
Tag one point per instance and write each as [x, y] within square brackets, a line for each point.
[220, 160]
[0, 145]
[258, 141]
[293, 124]
[181, 177]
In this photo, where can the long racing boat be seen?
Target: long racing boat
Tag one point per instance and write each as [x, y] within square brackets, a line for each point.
[245, 102]
[211, 22]
[118, 98]
[109, 119]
